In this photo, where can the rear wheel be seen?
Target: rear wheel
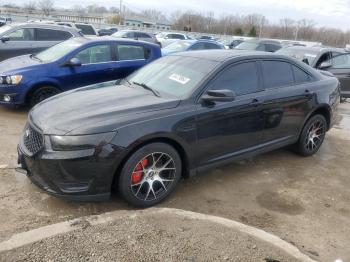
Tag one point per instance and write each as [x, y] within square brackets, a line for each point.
[43, 93]
[312, 136]
[150, 175]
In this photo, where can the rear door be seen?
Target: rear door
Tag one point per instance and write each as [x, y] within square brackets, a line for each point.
[98, 65]
[45, 38]
[21, 42]
[286, 100]
[130, 58]
[340, 67]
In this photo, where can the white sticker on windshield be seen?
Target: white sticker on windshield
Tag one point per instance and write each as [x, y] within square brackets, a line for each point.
[179, 78]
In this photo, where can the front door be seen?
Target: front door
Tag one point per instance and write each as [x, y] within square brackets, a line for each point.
[97, 65]
[340, 67]
[227, 129]
[20, 42]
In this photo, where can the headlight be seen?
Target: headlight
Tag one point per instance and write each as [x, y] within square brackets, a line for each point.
[13, 80]
[71, 143]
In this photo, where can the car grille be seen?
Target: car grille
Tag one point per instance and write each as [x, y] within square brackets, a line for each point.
[32, 139]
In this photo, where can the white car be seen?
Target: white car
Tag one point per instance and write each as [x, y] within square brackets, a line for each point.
[85, 29]
[167, 38]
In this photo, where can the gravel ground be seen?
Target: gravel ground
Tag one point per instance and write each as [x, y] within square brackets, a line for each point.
[150, 238]
[305, 201]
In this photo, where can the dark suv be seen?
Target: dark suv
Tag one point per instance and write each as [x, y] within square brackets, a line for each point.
[31, 38]
[172, 118]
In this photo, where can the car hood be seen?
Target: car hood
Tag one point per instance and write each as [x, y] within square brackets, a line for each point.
[92, 110]
[17, 63]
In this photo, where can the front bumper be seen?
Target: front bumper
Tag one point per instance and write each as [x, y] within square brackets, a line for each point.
[80, 175]
[14, 91]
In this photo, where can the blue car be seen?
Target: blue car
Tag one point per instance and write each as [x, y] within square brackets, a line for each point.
[29, 79]
[191, 45]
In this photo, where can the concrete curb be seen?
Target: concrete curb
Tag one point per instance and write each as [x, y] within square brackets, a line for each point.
[29, 237]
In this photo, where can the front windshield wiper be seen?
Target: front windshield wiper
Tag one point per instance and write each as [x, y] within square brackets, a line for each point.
[156, 93]
[35, 57]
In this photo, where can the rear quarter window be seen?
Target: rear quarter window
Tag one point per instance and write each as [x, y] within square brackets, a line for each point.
[300, 75]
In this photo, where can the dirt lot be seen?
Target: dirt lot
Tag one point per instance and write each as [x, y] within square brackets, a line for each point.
[302, 200]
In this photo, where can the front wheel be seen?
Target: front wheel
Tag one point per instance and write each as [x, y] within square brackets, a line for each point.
[150, 175]
[312, 136]
[43, 93]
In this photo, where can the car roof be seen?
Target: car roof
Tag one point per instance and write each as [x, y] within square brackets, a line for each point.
[96, 39]
[44, 26]
[225, 55]
[264, 41]
[318, 49]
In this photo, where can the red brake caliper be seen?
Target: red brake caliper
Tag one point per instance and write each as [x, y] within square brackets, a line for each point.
[137, 175]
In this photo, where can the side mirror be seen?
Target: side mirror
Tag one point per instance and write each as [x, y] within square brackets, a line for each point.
[73, 62]
[224, 95]
[325, 65]
[5, 39]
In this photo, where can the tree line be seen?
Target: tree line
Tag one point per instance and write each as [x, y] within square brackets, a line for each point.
[253, 25]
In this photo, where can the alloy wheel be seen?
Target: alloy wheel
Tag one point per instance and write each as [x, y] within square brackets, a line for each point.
[315, 136]
[153, 176]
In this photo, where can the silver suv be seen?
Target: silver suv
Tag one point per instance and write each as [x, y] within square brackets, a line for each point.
[31, 38]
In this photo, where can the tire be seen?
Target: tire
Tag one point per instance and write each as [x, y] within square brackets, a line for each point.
[312, 136]
[342, 99]
[142, 185]
[43, 93]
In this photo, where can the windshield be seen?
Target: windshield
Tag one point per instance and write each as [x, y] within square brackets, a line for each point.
[248, 45]
[310, 55]
[173, 75]
[4, 28]
[178, 46]
[58, 51]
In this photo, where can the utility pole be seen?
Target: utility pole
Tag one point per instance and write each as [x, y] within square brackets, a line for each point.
[120, 11]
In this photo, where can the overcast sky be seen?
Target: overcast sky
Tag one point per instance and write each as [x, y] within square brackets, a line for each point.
[331, 13]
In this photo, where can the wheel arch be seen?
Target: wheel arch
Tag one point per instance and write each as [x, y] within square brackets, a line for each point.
[184, 155]
[36, 86]
[324, 110]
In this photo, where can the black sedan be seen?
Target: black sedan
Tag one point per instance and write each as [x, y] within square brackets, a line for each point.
[172, 118]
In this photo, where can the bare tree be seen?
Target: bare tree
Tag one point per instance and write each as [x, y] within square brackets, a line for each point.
[154, 15]
[30, 6]
[46, 6]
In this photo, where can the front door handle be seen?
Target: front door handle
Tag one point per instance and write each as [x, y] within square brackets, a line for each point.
[256, 102]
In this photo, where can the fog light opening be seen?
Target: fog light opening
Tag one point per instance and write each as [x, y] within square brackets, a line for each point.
[7, 98]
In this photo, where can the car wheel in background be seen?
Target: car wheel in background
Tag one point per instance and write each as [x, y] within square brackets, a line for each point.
[150, 175]
[312, 136]
[43, 93]
[342, 99]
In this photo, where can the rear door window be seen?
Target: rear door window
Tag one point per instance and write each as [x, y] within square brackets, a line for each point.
[198, 46]
[95, 55]
[211, 46]
[143, 35]
[23, 34]
[241, 79]
[51, 35]
[132, 52]
[277, 74]
[176, 36]
[86, 29]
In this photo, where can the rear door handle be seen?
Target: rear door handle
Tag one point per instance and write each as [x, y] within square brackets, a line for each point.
[256, 102]
[308, 93]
